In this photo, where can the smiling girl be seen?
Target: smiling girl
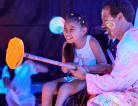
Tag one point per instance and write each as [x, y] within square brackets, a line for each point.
[78, 49]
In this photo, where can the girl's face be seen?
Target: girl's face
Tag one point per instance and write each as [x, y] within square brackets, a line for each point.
[72, 31]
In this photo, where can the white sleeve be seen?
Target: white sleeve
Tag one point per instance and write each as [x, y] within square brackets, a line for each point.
[123, 75]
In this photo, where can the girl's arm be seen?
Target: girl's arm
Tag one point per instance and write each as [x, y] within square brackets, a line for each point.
[100, 57]
[64, 69]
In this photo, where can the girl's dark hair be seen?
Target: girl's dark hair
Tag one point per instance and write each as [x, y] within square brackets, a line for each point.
[69, 49]
[74, 17]
[12, 73]
[69, 52]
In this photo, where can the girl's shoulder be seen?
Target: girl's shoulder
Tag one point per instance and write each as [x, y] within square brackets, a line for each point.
[92, 39]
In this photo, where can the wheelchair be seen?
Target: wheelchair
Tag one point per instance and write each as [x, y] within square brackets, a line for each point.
[78, 99]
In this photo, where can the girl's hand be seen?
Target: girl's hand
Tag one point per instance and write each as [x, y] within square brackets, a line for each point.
[66, 70]
[80, 72]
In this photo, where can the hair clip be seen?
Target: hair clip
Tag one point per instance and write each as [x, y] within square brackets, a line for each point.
[79, 18]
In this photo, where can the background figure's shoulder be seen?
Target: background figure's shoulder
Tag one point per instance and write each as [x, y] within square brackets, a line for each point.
[26, 68]
[5, 72]
[5, 68]
[30, 68]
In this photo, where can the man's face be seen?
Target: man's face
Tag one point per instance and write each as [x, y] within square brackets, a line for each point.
[109, 23]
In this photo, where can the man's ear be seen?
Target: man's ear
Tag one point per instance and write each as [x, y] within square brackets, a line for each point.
[120, 16]
[84, 30]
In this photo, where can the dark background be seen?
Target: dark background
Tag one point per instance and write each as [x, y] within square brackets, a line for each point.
[29, 20]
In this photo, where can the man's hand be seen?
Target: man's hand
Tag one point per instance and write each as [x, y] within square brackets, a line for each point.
[79, 73]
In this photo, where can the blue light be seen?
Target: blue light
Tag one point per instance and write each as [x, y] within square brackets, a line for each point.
[136, 19]
[56, 25]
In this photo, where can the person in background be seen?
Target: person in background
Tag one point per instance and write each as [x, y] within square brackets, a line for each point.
[15, 88]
